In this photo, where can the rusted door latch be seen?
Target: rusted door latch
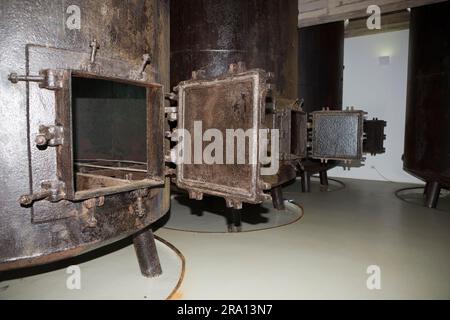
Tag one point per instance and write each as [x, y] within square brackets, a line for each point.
[51, 136]
[51, 190]
[47, 78]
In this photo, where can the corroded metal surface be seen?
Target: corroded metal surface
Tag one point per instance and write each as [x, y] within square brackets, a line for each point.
[49, 231]
[337, 135]
[374, 142]
[321, 66]
[236, 102]
[210, 35]
[320, 73]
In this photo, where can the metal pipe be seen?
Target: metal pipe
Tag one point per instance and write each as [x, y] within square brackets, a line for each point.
[78, 164]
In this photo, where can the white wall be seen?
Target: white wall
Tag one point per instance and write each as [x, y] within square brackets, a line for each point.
[379, 90]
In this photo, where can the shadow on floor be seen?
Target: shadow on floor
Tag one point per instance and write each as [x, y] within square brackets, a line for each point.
[252, 214]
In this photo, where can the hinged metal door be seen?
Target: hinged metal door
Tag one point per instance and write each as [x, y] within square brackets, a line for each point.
[227, 107]
[53, 169]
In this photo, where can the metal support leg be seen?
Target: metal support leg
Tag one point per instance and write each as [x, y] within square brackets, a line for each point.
[277, 198]
[234, 220]
[425, 190]
[323, 178]
[433, 191]
[145, 246]
[306, 182]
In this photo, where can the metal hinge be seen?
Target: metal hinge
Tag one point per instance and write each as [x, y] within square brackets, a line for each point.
[52, 136]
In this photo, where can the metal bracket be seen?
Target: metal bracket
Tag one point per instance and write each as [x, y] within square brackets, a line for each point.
[94, 47]
[88, 211]
[171, 96]
[51, 190]
[139, 206]
[52, 136]
[146, 59]
[172, 113]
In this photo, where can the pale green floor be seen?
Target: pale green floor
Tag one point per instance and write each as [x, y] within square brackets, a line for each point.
[323, 255]
[327, 252]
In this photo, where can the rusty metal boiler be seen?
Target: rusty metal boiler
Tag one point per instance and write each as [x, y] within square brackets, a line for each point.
[207, 36]
[72, 180]
[427, 135]
[320, 84]
[321, 68]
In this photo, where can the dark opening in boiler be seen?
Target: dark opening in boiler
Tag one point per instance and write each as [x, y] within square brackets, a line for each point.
[109, 134]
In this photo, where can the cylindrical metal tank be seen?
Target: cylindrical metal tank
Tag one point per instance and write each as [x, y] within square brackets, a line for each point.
[427, 135]
[212, 34]
[47, 33]
[209, 35]
[321, 66]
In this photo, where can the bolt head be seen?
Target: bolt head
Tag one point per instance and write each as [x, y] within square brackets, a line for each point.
[13, 77]
[41, 140]
[92, 222]
[25, 200]
[146, 57]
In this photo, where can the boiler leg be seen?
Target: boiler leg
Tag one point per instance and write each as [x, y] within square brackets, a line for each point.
[433, 191]
[234, 220]
[323, 178]
[425, 190]
[306, 182]
[145, 246]
[277, 198]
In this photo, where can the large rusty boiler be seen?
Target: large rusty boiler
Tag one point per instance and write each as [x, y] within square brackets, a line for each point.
[242, 99]
[209, 35]
[427, 135]
[320, 81]
[320, 73]
[82, 122]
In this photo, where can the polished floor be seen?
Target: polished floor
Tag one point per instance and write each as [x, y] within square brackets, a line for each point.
[326, 254]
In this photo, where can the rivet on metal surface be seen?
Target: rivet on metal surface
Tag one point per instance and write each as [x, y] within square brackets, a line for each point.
[195, 195]
[198, 74]
[231, 203]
